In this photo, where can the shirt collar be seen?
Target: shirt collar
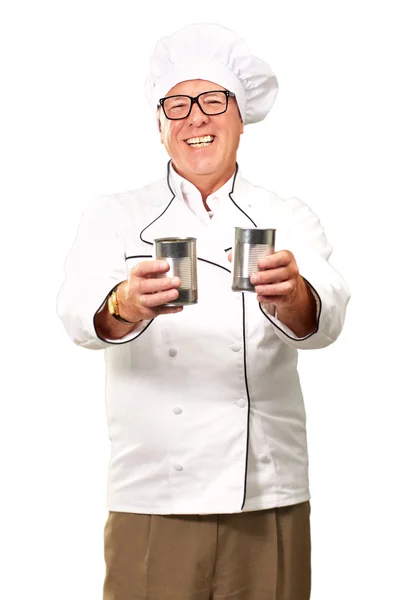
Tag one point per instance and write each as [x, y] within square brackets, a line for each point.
[189, 194]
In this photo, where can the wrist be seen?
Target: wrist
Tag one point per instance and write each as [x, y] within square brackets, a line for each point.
[299, 313]
[116, 304]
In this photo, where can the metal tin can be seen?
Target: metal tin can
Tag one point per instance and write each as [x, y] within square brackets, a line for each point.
[250, 246]
[181, 255]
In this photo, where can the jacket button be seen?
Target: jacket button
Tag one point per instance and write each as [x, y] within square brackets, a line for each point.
[172, 352]
[177, 410]
[178, 467]
[241, 403]
[236, 347]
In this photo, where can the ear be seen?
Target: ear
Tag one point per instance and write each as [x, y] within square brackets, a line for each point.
[158, 116]
[241, 121]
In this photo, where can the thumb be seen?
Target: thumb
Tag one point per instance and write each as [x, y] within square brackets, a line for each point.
[229, 256]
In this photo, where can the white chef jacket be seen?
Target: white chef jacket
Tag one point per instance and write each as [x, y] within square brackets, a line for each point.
[205, 410]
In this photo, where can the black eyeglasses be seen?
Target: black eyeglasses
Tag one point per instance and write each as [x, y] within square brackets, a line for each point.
[210, 103]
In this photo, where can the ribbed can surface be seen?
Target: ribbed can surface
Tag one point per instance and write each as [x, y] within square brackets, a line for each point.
[181, 255]
[250, 246]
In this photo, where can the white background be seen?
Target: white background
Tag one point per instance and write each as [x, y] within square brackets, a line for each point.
[342, 137]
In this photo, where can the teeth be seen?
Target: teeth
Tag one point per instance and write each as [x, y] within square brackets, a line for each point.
[206, 140]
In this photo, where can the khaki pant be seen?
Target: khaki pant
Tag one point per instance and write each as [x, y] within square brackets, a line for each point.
[262, 555]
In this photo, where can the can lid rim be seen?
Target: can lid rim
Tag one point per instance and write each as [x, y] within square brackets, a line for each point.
[174, 239]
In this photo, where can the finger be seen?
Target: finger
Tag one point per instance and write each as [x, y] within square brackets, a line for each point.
[284, 288]
[229, 256]
[277, 259]
[148, 268]
[273, 275]
[156, 284]
[158, 299]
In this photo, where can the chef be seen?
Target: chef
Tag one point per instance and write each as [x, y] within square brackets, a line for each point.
[208, 492]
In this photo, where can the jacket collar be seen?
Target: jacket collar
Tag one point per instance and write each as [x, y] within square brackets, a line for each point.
[213, 242]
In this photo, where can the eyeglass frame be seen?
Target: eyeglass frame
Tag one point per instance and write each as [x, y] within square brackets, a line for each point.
[195, 100]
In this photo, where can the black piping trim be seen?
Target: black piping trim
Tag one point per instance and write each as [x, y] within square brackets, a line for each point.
[164, 211]
[168, 184]
[215, 264]
[109, 341]
[237, 206]
[228, 249]
[286, 334]
[244, 347]
[247, 393]
[173, 196]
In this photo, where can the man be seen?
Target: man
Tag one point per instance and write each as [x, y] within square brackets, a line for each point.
[208, 491]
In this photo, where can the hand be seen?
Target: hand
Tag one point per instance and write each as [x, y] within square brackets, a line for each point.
[279, 283]
[278, 280]
[144, 294]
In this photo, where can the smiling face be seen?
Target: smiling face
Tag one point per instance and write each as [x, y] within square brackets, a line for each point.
[213, 160]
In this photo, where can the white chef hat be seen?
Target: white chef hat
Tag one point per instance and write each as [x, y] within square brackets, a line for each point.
[213, 53]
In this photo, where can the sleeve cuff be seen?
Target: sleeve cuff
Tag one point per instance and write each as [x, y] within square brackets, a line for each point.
[315, 339]
[287, 330]
[133, 334]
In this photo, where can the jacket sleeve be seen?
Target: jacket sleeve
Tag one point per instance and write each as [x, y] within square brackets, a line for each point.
[95, 265]
[306, 239]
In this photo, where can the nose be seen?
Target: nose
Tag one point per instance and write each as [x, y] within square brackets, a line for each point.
[196, 116]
